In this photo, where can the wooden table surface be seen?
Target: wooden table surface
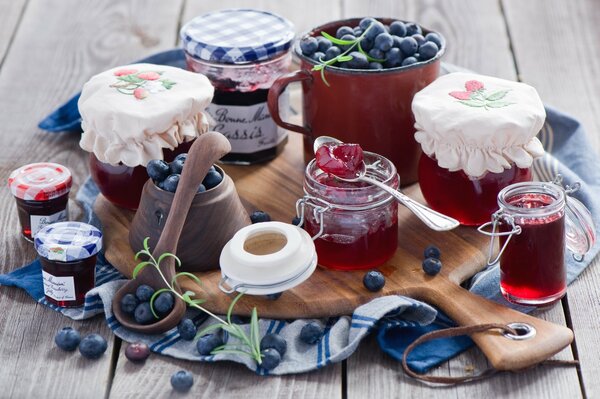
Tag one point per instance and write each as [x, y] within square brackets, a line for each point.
[49, 48]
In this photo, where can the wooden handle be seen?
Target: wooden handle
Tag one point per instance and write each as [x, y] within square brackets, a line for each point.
[503, 353]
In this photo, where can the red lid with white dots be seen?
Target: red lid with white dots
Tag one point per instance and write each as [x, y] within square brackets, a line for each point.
[40, 181]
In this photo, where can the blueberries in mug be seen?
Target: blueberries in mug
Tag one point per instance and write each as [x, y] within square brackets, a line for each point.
[92, 346]
[428, 50]
[309, 45]
[398, 28]
[434, 38]
[171, 182]
[375, 30]
[67, 339]
[344, 30]
[332, 52]
[358, 61]
[384, 41]
[419, 38]
[375, 65]
[409, 61]
[377, 54]
[158, 170]
[409, 46]
[366, 22]
[393, 58]
[176, 166]
[345, 47]
[413, 29]
[212, 179]
[323, 44]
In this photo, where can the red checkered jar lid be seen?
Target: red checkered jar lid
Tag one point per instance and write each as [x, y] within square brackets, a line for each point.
[40, 181]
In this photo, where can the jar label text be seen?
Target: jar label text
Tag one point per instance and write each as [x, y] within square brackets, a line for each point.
[38, 222]
[59, 288]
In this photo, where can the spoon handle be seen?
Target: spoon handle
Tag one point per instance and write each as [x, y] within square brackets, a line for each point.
[431, 218]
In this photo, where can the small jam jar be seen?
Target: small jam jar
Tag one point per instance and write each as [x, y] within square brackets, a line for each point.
[478, 135]
[67, 253]
[135, 113]
[354, 225]
[242, 51]
[42, 194]
[534, 222]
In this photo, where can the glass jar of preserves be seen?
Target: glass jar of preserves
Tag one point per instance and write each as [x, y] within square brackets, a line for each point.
[242, 51]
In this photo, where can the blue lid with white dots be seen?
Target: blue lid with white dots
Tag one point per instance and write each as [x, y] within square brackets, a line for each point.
[68, 241]
[237, 36]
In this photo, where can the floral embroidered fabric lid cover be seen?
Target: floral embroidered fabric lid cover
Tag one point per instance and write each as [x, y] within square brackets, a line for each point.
[130, 113]
[479, 123]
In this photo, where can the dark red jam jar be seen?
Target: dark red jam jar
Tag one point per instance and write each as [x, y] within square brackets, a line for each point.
[68, 253]
[42, 194]
[242, 52]
[535, 222]
[354, 225]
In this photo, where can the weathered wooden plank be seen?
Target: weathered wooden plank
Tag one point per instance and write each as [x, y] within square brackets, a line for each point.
[57, 47]
[10, 15]
[563, 64]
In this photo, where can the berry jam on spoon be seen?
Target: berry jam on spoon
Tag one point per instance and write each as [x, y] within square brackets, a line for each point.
[345, 161]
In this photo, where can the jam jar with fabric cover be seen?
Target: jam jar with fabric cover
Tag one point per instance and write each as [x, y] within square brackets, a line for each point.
[478, 135]
[135, 113]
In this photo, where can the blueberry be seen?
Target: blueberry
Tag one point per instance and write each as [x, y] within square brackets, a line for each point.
[176, 166]
[434, 38]
[296, 221]
[181, 157]
[432, 252]
[67, 339]
[417, 56]
[375, 30]
[357, 31]
[158, 170]
[344, 30]
[163, 303]
[393, 58]
[182, 381]
[270, 359]
[311, 333]
[143, 314]
[332, 52]
[428, 50]
[384, 41]
[259, 217]
[137, 352]
[432, 266]
[374, 280]
[345, 47]
[171, 182]
[144, 293]
[274, 341]
[419, 38]
[397, 40]
[413, 29]
[398, 28]
[358, 61]
[274, 297]
[366, 44]
[212, 179]
[187, 329]
[309, 45]
[128, 303]
[409, 61]
[409, 46]
[318, 56]
[201, 188]
[365, 22]
[212, 169]
[375, 65]
[207, 343]
[92, 346]
[324, 44]
[377, 54]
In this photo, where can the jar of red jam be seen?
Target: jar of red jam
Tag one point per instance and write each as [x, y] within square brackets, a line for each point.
[42, 194]
[478, 135]
[535, 222]
[67, 253]
[354, 225]
[242, 51]
[135, 113]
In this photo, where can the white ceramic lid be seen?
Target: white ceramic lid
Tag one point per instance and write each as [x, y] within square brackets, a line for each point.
[130, 113]
[479, 123]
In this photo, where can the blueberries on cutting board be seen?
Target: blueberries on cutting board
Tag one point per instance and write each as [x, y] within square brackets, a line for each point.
[374, 280]
[431, 262]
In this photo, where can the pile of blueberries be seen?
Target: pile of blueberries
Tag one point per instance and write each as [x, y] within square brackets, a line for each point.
[138, 305]
[166, 175]
[383, 46]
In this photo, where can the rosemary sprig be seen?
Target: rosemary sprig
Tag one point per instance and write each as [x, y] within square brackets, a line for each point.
[248, 346]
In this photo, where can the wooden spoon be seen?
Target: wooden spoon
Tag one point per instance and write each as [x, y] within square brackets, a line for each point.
[206, 150]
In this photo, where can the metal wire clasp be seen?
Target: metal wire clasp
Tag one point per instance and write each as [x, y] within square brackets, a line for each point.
[319, 208]
[497, 217]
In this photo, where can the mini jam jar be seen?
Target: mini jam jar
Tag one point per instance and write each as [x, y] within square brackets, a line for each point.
[535, 222]
[242, 52]
[354, 225]
[478, 135]
[68, 253]
[42, 194]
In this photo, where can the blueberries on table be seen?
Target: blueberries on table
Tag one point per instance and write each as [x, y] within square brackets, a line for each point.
[432, 266]
[270, 358]
[374, 280]
[259, 217]
[144, 293]
[143, 314]
[182, 381]
[92, 346]
[311, 333]
[163, 303]
[166, 176]
[67, 339]
[207, 343]
[128, 303]
[187, 329]
[137, 352]
[274, 341]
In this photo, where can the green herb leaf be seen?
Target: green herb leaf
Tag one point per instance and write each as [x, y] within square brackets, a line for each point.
[186, 274]
[343, 58]
[497, 95]
[237, 298]
[139, 267]
[254, 329]
[336, 40]
[166, 255]
[209, 329]
[153, 297]
[186, 296]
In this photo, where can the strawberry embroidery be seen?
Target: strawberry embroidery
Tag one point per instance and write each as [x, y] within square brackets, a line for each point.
[140, 84]
[478, 97]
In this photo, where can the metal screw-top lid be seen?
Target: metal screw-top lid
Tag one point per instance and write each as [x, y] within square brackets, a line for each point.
[68, 241]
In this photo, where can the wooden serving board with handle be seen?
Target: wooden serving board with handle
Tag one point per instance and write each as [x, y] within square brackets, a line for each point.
[274, 187]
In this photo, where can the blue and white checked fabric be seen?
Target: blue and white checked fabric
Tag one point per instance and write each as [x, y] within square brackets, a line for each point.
[237, 36]
[68, 241]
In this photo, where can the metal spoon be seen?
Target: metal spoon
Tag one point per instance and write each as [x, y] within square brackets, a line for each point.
[431, 218]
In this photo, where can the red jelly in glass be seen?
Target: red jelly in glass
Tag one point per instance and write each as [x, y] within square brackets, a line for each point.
[341, 160]
[469, 200]
[359, 221]
[42, 194]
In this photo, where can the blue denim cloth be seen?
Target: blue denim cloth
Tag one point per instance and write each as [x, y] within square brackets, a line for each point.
[396, 320]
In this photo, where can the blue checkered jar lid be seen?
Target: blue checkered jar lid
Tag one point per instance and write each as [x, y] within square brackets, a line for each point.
[68, 241]
[237, 36]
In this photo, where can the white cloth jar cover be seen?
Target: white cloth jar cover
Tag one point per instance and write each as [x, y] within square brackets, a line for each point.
[130, 113]
[479, 124]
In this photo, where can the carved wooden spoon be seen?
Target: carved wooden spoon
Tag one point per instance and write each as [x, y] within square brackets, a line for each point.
[206, 150]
